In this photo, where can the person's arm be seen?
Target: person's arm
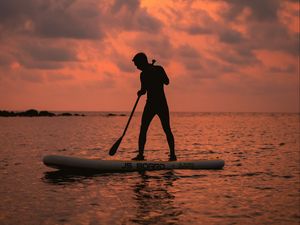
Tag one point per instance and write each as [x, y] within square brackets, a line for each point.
[165, 78]
[143, 90]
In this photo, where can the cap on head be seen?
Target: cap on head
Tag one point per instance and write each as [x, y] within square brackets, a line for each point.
[140, 58]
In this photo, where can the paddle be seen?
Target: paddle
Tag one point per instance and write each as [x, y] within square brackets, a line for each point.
[115, 147]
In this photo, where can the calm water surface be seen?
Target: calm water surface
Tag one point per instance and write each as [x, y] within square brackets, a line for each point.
[259, 184]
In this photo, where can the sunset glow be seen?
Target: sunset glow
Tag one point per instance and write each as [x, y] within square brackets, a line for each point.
[219, 55]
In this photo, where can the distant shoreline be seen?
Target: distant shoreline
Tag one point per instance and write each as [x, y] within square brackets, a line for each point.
[35, 113]
[58, 113]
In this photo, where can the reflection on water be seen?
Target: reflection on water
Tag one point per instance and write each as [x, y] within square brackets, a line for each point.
[155, 204]
[150, 194]
[259, 184]
[64, 178]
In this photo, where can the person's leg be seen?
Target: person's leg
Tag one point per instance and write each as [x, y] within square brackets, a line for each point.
[165, 122]
[147, 117]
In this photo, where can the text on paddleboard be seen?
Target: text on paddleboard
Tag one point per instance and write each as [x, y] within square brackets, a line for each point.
[144, 166]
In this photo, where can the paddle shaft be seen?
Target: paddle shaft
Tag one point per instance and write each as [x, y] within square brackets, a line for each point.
[115, 147]
[137, 100]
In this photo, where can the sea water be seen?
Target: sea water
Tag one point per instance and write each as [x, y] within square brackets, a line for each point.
[258, 185]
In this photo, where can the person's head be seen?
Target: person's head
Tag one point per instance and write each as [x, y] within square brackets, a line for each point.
[140, 60]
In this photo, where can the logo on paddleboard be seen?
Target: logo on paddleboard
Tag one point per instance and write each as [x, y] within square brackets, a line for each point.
[144, 166]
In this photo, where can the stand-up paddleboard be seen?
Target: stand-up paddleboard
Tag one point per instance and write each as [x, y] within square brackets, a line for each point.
[96, 165]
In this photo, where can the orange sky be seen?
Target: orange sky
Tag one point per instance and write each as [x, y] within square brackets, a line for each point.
[221, 55]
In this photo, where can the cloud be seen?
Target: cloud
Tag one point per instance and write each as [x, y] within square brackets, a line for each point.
[187, 51]
[129, 15]
[14, 10]
[5, 59]
[196, 22]
[52, 19]
[131, 5]
[264, 29]
[240, 56]
[107, 82]
[274, 37]
[201, 44]
[44, 55]
[54, 53]
[208, 69]
[230, 36]
[51, 23]
[124, 64]
[250, 25]
[54, 77]
[189, 57]
[70, 22]
[290, 69]
[260, 10]
[31, 64]
[157, 46]
[22, 76]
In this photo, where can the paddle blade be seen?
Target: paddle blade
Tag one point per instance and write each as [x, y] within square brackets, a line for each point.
[115, 147]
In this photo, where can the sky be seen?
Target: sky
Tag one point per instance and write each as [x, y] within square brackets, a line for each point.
[220, 55]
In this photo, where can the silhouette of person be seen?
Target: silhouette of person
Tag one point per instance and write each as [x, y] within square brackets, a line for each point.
[153, 78]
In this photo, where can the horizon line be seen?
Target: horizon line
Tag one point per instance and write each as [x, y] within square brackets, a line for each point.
[107, 111]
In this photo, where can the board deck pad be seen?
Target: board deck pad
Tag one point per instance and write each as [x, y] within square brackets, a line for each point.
[96, 165]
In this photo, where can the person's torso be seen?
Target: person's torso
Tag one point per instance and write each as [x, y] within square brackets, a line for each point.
[153, 81]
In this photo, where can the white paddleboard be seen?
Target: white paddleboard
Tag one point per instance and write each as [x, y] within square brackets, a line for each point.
[96, 165]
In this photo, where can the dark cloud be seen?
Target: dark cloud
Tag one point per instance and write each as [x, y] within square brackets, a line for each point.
[46, 53]
[273, 37]
[125, 65]
[16, 10]
[230, 36]
[77, 20]
[39, 26]
[225, 33]
[189, 57]
[123, 62]
[264, 29]
[290, 69]
[209, 69]
[145, 22]
[187, 51]
[43, 55]
[35, 78]
[31, 64]
[238, 56]
[56, 26]
[29, 76]
[81, 19]
[59, 77]
[202, 67]
[265, 10]
[131, 5]
[45, 31]
[5, 59]
[195, 29]
[201, 23]
[128, 15]
[54, 19]
[157, 46]
[193, 65]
